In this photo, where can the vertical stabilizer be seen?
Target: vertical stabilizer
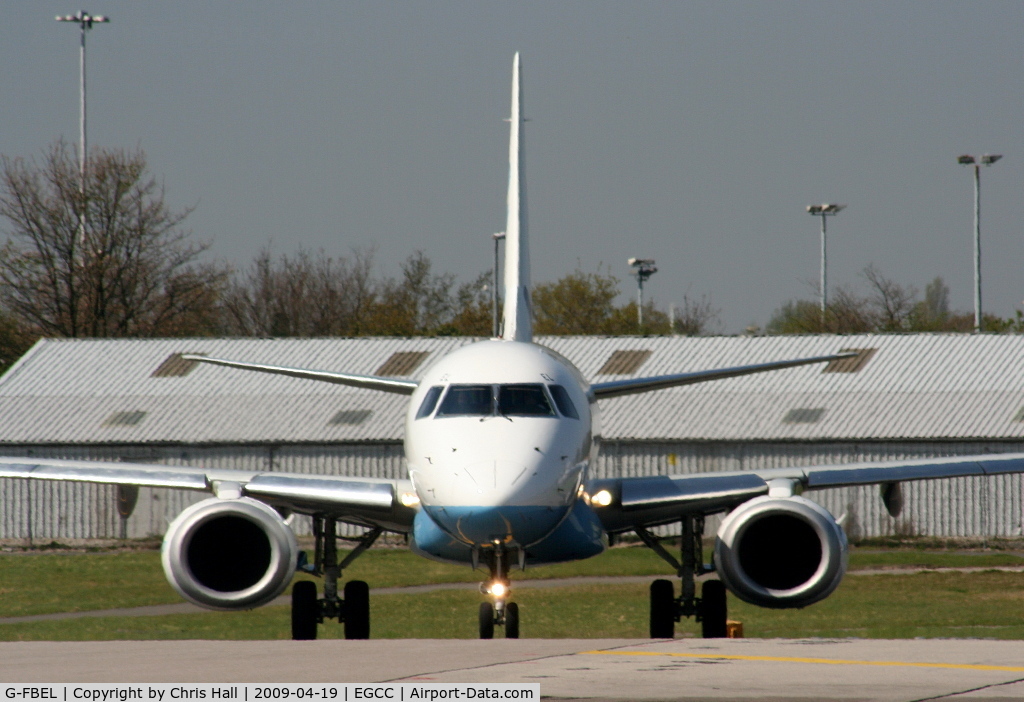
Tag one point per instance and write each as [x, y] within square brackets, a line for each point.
[517, 318]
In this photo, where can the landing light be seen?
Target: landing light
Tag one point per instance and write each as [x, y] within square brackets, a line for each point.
[497, 589]
[409, 499]
[601, 498]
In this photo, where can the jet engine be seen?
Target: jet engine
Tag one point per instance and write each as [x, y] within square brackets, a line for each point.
[781, 552]
[229, 554]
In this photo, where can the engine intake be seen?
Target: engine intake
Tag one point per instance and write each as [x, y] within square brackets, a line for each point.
[229, 554]
[781, 552]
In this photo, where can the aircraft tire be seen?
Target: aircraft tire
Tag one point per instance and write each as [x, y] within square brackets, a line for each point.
[713, 610]
[357, 610]
[486, 620]
[663, 605]
[511, 621]
[304, 611]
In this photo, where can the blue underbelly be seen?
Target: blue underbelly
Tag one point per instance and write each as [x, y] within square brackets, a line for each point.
[547, 534]
[519, 526]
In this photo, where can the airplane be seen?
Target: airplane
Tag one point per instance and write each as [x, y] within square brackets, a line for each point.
[499, 437]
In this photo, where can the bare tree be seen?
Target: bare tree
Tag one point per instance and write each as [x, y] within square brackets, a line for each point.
[696, 317]
[109, 259]
[302, 295]
[893, 303]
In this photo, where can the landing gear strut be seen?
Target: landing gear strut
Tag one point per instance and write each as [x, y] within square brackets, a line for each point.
[353, 610]
[498, 612]
[666, 608]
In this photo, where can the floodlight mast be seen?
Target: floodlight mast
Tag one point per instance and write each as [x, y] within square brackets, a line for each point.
[823, 211]
[986, 160]
[495, 319]
[643, 268]
[85, 22]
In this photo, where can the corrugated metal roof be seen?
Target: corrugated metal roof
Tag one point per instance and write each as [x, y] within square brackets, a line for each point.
[914, 386]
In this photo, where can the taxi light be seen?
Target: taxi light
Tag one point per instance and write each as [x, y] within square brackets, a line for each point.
[601, 498]
[499, 589]
[409, 499]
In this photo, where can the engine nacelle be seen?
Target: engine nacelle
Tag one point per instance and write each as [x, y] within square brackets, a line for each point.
[229, 554]
[781, 552]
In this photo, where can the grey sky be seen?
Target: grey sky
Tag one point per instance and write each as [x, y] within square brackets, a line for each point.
[693, 133]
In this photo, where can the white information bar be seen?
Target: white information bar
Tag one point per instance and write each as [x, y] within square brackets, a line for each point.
[268, 692]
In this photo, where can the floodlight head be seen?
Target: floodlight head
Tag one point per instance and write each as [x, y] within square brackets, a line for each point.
[83, 18]
[498, 235]
[640, 262]
[965, 160]
[826, 208]
[989, 159]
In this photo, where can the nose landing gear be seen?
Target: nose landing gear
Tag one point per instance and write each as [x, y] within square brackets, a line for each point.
[499, 611]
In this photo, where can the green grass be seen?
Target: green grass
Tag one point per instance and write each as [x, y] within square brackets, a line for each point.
[930, 604]
[904, 558]
[43, 583]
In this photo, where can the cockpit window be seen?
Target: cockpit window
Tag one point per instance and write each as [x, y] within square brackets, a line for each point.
[429, 401]
[524, 400]
[564, 402]
[467, 400]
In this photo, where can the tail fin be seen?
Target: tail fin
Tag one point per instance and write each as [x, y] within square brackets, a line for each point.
[517, 316]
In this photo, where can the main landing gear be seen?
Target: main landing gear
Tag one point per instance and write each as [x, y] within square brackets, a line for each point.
[499, 611]
[352, 610]
[666, 608]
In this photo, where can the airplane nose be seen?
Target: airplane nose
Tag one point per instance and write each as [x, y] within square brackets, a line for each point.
[517, 500]
[522, 525]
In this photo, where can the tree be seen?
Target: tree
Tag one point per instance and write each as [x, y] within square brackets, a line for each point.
[419, 303]
[578, 303]
[894, 305]
[14, 341]
[473, 316]
[890, 307]
[847, 313]
[109, 259]
[695, 318]
[584, 303]
[301, 295]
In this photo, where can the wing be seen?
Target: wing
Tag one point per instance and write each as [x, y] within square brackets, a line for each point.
[633, 386]
[364, 501]
[626, 503]
[371, 382]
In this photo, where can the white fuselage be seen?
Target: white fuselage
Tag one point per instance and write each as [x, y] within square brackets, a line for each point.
[499, 435]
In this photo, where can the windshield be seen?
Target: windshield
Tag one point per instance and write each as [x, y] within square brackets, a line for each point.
[524, 401]
[564, 402]
[521, 400]
[429, 401]
[463, 400]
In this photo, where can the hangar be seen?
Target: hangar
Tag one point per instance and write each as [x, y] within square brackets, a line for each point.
[902, 396]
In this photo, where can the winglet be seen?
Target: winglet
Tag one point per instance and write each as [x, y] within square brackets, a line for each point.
[517, 316]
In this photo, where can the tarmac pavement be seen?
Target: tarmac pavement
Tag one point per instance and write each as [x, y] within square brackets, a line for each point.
[566, 669]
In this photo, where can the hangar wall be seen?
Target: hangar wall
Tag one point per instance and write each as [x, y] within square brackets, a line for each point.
[40, 510]
[962, 507]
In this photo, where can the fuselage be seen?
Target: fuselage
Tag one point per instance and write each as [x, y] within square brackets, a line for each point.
[499, 437]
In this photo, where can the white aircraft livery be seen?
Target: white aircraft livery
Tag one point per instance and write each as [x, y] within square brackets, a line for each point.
[499, 436]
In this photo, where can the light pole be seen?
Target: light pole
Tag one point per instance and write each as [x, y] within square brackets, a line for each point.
[496, 321]
[823, 211]
[85, 22]
[643, 268]
[987, 160]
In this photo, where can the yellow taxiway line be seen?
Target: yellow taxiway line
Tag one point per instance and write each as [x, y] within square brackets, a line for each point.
[826, 661]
